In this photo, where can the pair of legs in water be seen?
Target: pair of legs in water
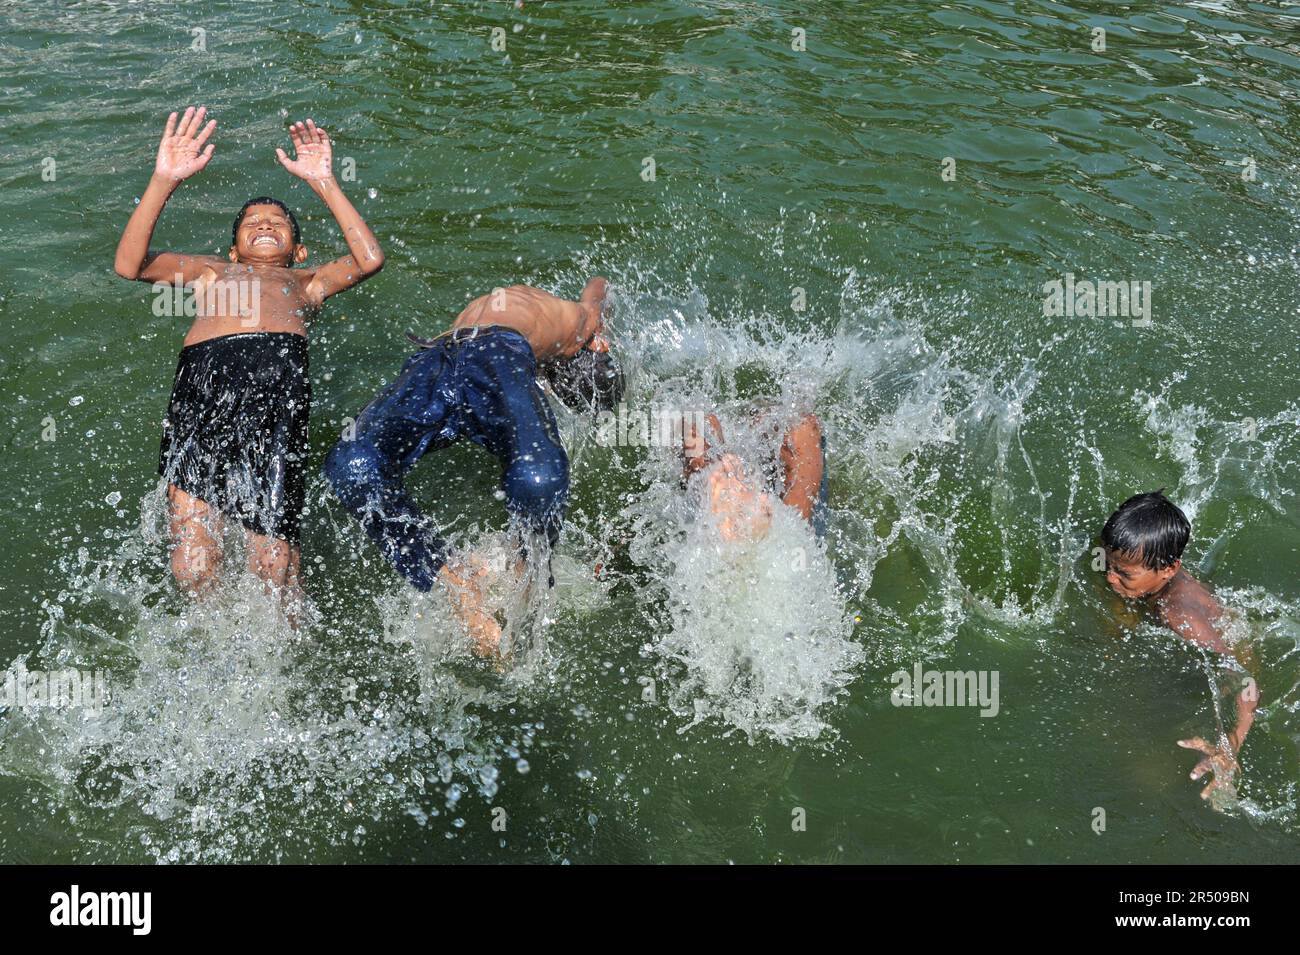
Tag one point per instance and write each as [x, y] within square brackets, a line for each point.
[477, 382]
[741, 503]
[479, 385]
[197, 529]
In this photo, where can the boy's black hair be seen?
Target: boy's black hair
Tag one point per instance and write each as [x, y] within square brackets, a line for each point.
[1149, 525]
[264, 201]
[588, 381]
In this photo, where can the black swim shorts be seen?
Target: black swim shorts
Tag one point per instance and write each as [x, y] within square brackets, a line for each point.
[235, 435]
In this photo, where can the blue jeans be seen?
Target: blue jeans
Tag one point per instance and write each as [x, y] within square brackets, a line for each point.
[483, 388]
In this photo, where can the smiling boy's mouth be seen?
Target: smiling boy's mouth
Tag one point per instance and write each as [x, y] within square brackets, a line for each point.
[265, 240]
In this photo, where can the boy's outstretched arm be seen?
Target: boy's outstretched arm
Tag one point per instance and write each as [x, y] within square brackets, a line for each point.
[595, 297]
[313, 163]
[1219, 759]
[1247, 697]
[181, 154]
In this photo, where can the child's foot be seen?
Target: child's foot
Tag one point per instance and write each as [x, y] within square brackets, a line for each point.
[465, 590]
[743, 513]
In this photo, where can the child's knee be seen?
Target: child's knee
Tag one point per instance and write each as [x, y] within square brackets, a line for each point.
[272, 560]
[194, 567]
[538, 488]
[354, 471]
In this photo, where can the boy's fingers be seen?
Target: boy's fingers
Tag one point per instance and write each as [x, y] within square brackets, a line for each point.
[185, 121]
[207, 131]
[281, 155]
[311, 130]
[193, 121]
[170, 129]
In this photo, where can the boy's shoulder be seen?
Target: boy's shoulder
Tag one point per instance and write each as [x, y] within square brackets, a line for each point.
[1189, 609]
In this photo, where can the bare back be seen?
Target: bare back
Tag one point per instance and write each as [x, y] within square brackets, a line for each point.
[554, 327]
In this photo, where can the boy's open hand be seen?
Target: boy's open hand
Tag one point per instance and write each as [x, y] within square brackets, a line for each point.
[1219, 760]
[181, 153]
[313, 155]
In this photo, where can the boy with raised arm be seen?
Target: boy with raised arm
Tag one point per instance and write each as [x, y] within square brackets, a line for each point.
[234, 441]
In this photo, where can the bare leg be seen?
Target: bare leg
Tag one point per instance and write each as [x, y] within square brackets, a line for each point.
[196, 541]
[594, 300]
[464, 583]
[743, 512]
[695, 446]
[803, 461]
[277, 563]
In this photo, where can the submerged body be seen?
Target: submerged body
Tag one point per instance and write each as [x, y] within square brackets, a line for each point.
[1144, 541]
[755, 619]
[796, 476]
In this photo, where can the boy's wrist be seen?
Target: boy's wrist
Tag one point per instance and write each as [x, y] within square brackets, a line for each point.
[164, 182]
[324, 184]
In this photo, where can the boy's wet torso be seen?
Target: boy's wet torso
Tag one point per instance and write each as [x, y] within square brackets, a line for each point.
[236, 298]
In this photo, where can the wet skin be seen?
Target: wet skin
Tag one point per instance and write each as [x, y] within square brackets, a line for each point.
[253, 289]
[1186, 606]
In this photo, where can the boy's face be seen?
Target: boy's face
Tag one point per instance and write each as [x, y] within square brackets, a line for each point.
[265, 237]
[1130, 578]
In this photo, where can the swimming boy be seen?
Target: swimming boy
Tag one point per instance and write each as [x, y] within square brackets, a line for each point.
[1144, 541]
[234, 442]
[477, 381]
[796, 475]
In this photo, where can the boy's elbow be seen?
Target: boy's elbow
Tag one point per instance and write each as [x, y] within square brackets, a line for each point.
[127, 271]
[375, 264]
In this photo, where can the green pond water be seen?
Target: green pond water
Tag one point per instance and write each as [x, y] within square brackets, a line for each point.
[976, 442]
